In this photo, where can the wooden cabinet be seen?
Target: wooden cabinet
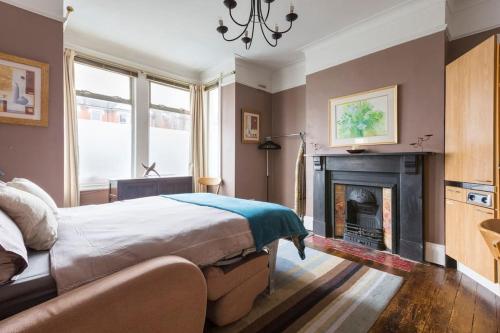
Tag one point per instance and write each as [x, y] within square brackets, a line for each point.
[471, 152]
[453, 122]
[124, 189]
[477, 255]
[464, 242]
[455, 218]
[470, 116]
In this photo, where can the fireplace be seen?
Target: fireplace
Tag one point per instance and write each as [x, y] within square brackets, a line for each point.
[363, 218]
[371, 199]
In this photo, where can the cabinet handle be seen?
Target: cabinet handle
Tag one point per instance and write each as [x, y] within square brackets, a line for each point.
[483, 180]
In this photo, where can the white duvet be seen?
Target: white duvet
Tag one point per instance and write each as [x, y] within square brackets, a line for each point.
[95, 241]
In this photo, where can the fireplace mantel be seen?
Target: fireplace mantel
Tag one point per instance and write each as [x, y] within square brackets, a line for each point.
[402, 171]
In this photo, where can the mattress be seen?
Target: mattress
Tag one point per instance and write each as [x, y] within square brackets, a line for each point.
[33, 286]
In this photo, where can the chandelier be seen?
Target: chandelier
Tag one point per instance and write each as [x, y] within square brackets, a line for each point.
[256, 16]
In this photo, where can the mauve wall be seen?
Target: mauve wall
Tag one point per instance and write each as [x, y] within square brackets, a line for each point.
[35, 152]
[460, 46]
[289, 107]
[250, 166]
[418, 68]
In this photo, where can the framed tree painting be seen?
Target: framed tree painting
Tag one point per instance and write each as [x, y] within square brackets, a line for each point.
[367, 118]
[250, 126]
[24, 91]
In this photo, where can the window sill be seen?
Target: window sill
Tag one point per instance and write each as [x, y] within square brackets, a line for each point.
[88, 188]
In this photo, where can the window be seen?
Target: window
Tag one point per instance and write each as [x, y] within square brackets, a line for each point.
[213, 132]
[169, 129]
[104, 107]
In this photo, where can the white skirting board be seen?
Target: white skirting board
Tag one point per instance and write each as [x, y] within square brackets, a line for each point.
[435, 253]
[493, 287]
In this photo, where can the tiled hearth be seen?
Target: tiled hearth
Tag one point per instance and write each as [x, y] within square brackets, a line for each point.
[362, 252]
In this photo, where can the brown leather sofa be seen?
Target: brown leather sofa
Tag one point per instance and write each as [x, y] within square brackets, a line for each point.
[166, 294]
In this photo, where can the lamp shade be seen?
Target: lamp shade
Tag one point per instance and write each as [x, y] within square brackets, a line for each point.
[269, 145]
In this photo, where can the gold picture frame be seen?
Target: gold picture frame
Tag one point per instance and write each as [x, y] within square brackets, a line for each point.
[24, 91]
[365, 118]
[250, 126]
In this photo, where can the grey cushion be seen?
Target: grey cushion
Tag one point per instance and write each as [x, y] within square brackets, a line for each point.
[33, 286]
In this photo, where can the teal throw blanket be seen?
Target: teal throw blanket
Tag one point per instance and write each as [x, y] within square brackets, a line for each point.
[268, 221]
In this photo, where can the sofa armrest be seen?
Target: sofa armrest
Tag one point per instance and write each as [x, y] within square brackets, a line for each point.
[166, 294]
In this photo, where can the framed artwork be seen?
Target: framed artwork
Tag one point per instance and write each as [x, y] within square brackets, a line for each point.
[367, 118]
[24, 91]
[250, 126]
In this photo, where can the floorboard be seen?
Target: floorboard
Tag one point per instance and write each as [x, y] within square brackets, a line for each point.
[463, 310]
[434, 299]
[442, 308]
[484, 312]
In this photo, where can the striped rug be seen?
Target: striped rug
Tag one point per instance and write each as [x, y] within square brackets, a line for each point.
[323, 293]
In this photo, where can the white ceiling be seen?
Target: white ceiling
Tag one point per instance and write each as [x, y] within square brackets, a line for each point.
[181, 33]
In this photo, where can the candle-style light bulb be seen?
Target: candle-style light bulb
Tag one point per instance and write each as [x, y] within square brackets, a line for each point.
[221, 23]
[292, 8]
[276, 28]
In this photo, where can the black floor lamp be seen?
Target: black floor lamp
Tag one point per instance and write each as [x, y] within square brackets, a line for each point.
[267, 146]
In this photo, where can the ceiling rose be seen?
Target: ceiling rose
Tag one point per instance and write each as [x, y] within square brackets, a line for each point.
[257, 15]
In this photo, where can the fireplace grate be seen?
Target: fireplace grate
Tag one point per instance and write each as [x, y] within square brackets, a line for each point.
[373, 238]
[363, 221]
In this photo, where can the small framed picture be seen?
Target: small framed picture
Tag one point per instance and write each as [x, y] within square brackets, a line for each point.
[250, 126]
[24, 91]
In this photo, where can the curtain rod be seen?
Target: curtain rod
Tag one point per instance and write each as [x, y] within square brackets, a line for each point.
[215, 81]
[128, 70]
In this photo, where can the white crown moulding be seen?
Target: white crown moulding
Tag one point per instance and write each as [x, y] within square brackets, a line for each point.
[403, 23]
[52, 9]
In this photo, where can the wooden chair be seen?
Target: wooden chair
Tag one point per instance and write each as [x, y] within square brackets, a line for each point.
[210, 181]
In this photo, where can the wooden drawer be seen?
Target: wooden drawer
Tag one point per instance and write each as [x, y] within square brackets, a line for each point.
[456, 193]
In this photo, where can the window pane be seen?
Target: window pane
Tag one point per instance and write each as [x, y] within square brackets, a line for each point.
[101, 81]
[105, 139]
[213, 133]
[169, 142]
[169, 96]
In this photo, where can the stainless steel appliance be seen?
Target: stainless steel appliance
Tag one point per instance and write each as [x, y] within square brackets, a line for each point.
[480, 199]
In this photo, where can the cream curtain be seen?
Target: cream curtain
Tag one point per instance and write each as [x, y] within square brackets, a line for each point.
[300, 183]
[198, 137]
[71, 188]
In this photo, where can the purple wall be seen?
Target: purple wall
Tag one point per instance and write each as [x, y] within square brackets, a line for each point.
[289, 108]
[250, 172]
[35, 153]
[418, 68]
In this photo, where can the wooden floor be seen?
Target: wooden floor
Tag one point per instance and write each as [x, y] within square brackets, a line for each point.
[434, 299]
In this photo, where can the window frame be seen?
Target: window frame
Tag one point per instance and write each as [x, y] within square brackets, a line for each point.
[162, 107]
[115, 99]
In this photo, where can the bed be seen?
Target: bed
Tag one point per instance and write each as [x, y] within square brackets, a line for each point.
[96, 241]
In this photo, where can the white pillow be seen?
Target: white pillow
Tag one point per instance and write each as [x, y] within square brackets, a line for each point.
[30, 187]
[33, 217]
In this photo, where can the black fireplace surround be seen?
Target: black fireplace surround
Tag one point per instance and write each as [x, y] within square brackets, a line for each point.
[401, 172]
